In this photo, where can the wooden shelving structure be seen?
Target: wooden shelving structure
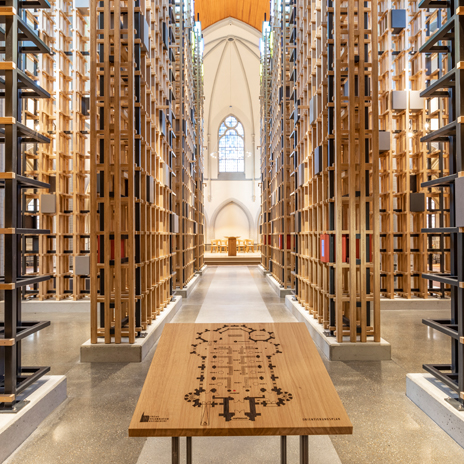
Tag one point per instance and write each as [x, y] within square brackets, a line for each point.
[130, 166]
[46, 172]
[185, 142]
[281, 243]
[80, 106]
[199, 98]
[19, 92]
[64, 209]
[313, 197]
[163, 156]
[416, 196]
[265, 167]
[335, 167]
[405, 250]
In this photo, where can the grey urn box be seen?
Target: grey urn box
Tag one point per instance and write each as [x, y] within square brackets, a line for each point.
[150, 189]
[313, 109]
[399, 99]
[301, 172]
[174, 223]
[48, 203]
[166, 175]
[82, 265]
[417, 202]
[384, 141]
[416, 102]
[398, 20]
[82, 5]
[458, 206]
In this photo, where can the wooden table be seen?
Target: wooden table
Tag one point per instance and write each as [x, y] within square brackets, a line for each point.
[238, 379]
[232, 245]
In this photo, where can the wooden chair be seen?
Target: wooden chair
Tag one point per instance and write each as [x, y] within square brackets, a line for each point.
[250, 246]
[241, 245]
[224, 245]
[214, 246]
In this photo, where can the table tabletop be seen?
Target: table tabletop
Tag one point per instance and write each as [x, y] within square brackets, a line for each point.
[238, 379]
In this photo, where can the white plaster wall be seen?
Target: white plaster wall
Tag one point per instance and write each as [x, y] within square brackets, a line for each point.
[232, 220]
[231, 74]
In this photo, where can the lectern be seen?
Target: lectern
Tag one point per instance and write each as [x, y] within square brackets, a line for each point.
[232, 247]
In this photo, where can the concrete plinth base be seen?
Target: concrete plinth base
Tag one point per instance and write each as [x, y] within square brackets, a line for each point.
[188, 289]
[430, 395]
[263, 270]
[43, 398]
[415, 303]
[334, 351]
[48, 306]
[281, 292]
[125, 352]
[202, 270]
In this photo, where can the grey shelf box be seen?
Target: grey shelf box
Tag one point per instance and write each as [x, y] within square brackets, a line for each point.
[48, 203]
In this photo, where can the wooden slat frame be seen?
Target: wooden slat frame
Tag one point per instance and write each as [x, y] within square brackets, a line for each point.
[281, 219]
[132, 159]
[338, 203]
[184, 183]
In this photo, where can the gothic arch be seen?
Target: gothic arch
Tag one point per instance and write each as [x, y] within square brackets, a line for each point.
[241, 206]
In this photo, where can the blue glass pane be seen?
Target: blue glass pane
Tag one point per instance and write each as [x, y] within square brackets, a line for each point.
[231, 121]
[239, 129]
[222, 129]
[231, 146]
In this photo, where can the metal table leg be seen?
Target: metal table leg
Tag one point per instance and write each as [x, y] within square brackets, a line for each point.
[304, 449]
[189, 450]
[283, 450]
[175, 450]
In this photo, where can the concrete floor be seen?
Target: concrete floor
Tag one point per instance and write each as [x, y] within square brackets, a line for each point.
[91, 426]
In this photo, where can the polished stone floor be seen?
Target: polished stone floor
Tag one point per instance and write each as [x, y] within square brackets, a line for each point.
[91, 426]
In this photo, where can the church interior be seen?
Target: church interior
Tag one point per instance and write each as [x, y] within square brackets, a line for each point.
[229, 231]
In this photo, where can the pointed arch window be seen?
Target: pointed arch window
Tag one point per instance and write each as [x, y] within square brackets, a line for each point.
[231, 146]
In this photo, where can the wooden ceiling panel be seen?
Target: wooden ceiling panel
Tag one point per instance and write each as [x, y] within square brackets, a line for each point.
[248, 11]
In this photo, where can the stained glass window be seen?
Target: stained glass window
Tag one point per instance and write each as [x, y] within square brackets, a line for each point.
[231, 146]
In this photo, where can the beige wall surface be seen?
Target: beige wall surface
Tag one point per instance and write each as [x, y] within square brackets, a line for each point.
[231, 69]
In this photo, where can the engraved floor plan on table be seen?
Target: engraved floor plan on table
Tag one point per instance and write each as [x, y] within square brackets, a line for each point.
[241, 378]
[238, 379]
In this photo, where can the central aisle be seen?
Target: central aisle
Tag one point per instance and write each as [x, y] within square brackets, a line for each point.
[233, 296]
[236, 294]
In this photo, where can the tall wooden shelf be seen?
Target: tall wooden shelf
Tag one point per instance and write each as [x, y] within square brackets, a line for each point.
[403, 157]
[416, 196]
[185, 133]
[80, 106]
[280, 146]
[163, 156]
[64, 209]
[47, 158]
[20, 136]
[335, 174]
[312, 194]
[444, 141]
[130, 166]
[63, 157]
[265, 166]
[199, 98]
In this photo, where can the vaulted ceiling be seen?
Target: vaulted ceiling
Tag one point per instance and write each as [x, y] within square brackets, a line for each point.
[248, 11]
